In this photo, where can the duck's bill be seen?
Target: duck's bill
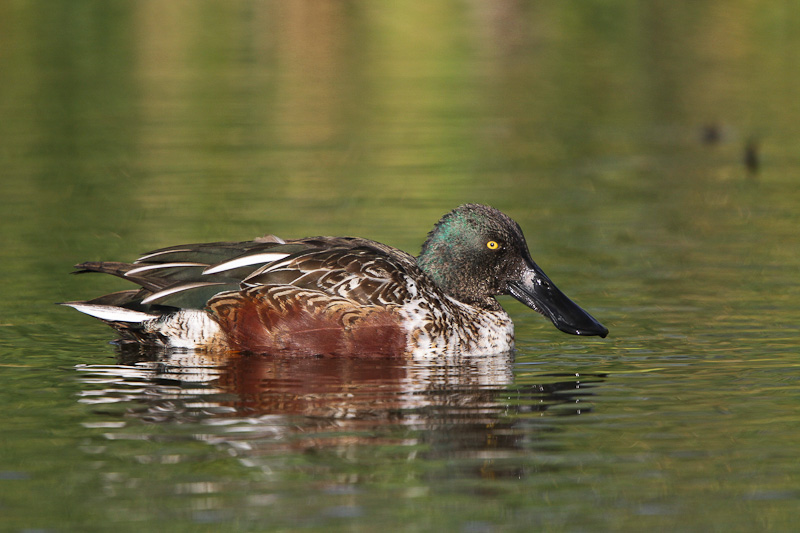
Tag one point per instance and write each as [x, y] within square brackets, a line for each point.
[535, 290]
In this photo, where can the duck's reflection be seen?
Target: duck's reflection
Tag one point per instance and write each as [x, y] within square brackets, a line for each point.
[260, 405]
[326, 388]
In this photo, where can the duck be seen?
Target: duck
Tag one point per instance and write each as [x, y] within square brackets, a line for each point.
[338, 296]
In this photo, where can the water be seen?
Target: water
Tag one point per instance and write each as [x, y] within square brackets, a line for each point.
[615, 135]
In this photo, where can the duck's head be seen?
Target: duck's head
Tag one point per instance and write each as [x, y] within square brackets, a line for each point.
[475, 253]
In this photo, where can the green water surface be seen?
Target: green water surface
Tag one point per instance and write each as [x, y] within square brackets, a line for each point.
[615, 133]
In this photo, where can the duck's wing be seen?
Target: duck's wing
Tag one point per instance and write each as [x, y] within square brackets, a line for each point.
[188, 276]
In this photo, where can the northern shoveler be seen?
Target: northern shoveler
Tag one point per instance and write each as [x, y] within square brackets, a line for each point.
[339, 295]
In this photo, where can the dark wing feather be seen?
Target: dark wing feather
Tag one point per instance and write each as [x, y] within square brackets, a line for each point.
[175, 276]
[209, 253]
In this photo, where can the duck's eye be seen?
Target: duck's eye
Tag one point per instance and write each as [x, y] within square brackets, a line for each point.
[493, 245]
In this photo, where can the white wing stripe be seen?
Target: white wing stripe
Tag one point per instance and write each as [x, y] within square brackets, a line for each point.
[254, 259]
[111, 313]
[137, 270]
[173, 290]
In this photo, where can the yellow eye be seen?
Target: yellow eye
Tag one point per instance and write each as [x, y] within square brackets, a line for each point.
[492, 245]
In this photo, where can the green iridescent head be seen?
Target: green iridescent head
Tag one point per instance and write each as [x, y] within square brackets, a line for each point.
[476, 252]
